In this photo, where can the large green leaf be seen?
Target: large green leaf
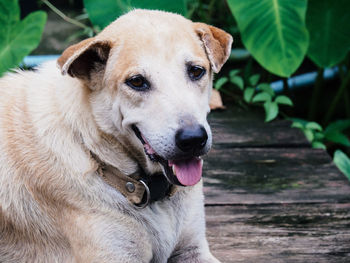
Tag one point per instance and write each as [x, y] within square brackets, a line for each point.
[9, 14]
[273, 31]
[102, 13]
[328, 22]
[18, 38]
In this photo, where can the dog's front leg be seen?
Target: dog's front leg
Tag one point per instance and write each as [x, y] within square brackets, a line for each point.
[106, 238]
[193, 246]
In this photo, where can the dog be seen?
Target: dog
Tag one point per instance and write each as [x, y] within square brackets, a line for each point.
[100, 150]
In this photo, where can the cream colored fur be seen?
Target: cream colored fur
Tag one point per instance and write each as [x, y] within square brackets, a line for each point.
[53, 205]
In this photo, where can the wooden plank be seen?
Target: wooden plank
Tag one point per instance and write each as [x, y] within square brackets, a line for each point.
[272, 175]
[235, 127]
[280, 233]
[234, 113]
[270, 197]
[230, 133]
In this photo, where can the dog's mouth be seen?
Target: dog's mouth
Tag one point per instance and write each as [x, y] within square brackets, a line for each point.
[184, 172]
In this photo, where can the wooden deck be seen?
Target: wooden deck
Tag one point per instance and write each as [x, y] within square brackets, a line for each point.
[270, 197]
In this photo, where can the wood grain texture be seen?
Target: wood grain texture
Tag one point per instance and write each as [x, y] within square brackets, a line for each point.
[280, 233]
[241, 129]
[270, 197]
[245, 134]
[272, 175]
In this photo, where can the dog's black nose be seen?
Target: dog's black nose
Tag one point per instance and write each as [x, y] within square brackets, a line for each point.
[191, 139]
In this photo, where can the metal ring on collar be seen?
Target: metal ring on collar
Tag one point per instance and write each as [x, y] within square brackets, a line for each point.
[148, 196]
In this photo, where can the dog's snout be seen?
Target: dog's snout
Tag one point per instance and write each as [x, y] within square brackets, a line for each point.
[191, 139]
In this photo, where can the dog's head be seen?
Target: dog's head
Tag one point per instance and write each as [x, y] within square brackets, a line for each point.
[150, 77]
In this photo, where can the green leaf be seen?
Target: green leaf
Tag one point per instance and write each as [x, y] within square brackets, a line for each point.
[253, 80]
[298, 120]
[238, 81]
[319, 136]
[318, 145]
[220, 82]
[328, 22]
[337, 137]
[339, 126]
[9, 14]
[267, 88]
[18, 38]
[234, 72]
[271, 110]
[309, 135]
[297, 125]
[102, 13]
[262, 96]
[283, 100]
[248, 94]
[313, 126]
[273, 31]
[342, 162]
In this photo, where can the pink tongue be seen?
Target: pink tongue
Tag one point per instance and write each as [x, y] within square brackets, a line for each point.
[188, 172]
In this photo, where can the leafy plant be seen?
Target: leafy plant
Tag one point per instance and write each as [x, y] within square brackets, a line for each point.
[329, 25]
[334, 132]
[274, 32]
[103, 14]
[256, 93]
[319, 136]
[279, 33]
[270, 101]
[342, 161]
[312, 131]
[18, 37]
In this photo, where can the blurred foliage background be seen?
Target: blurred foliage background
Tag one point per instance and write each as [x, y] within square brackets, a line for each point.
[289, 58]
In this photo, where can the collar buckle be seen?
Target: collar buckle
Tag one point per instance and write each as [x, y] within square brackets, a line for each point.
[140, 189]
[146, 198]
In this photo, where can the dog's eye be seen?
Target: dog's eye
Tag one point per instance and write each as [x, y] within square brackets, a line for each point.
[138, 82]
[195, 72]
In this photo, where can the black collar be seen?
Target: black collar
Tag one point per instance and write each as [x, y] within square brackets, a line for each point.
[159, 187]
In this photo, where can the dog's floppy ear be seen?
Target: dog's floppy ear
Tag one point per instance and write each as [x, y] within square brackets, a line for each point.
[217, 44]
[80, 59]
